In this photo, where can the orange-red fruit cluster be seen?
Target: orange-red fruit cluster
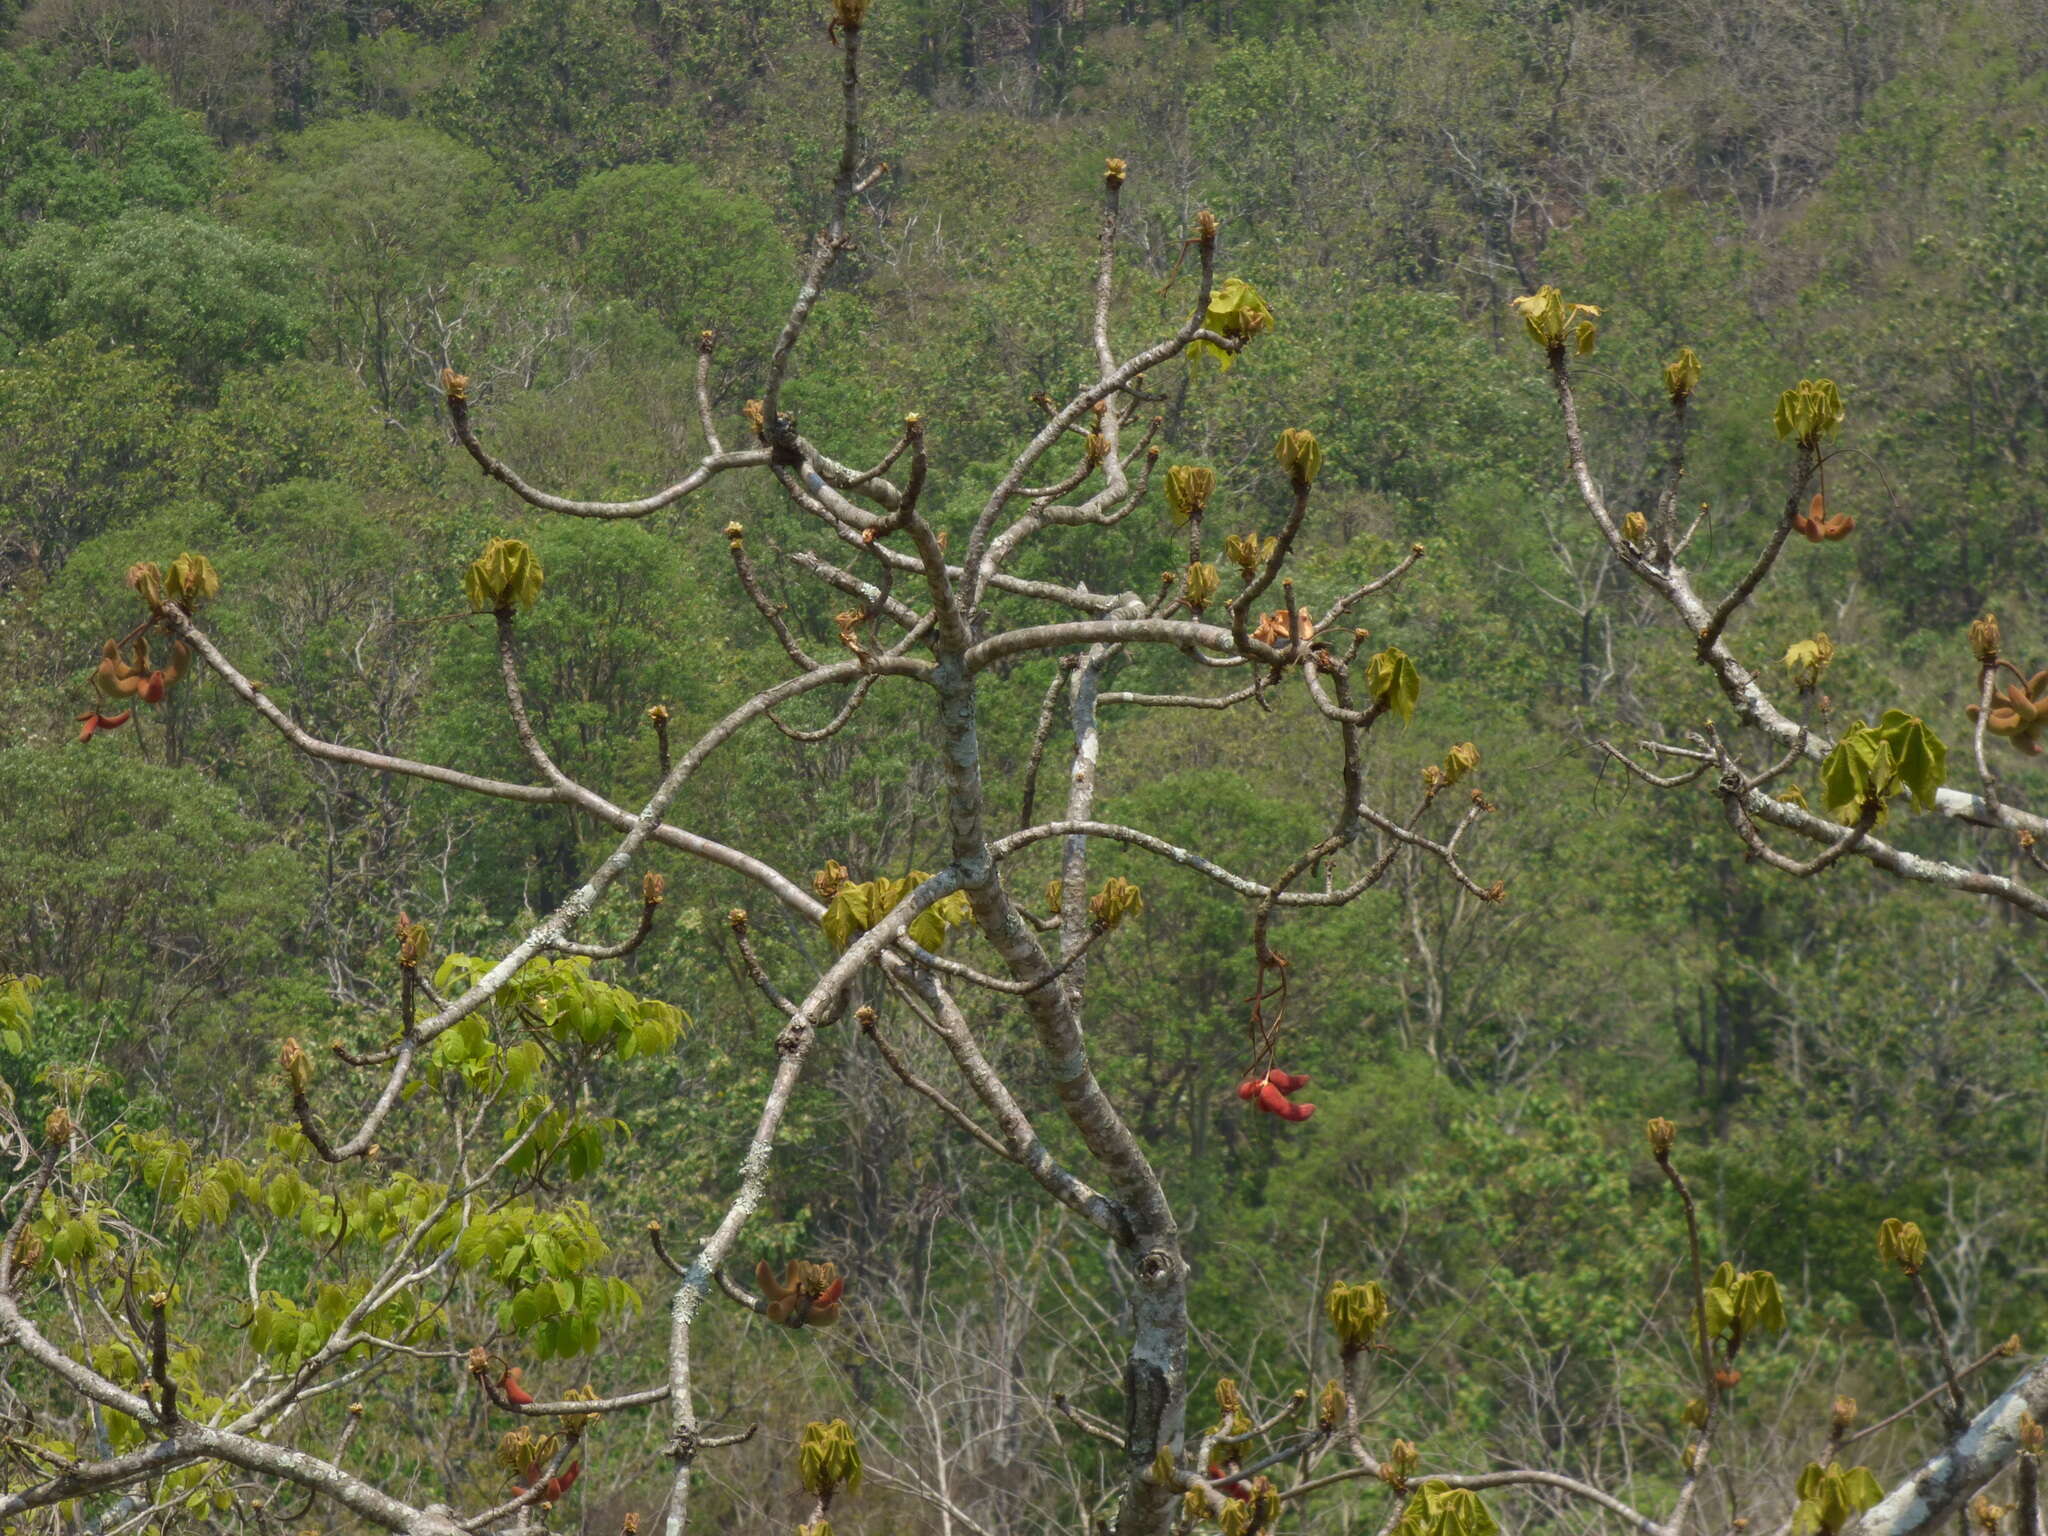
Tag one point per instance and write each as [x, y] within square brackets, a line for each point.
[1816, 525]
[557, 1485]
[1273, 1094]
[806, 1296]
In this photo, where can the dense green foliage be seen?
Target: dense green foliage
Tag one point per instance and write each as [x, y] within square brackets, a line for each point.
[235, 255]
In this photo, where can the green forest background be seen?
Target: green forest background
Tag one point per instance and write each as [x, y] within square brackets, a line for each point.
[238, 242]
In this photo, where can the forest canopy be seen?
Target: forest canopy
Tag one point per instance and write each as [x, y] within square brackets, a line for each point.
[1487, 313]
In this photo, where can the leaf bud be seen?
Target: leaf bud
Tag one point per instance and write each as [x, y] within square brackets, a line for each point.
[1682, 375]
[1809, 411]
[1203, 581]
[1357, 1313]
[147, 578]
[190, 581]
[1550, 320]
[828, 1459]
[653, 888]
[1984, 639]
[1301, 456]
[505, 576]
[1331, 1406]
[59, 1127]
[1113, 171]
[1843, 1416]
[1459, 761]
[2033, 1437]
[1901, 1243]
[1401, 1460]
[1635, 527]
[1662, 1134]
[1247, 551]
[412, 942]
[297, 1064]
[1117, 900]
[1188, 489]
[455, 386]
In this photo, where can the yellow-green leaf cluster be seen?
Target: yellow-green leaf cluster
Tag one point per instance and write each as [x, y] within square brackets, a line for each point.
[506, 575]
[1807, 659]
[1258, 1513]
[1440, 1510]
[1357, 1313]
[1902, 1243]
[17, 1008]
[1809, 411]
[1188, 489]
[827, 1458]
[1235, 310]
[1870, 764]
[190, 581]
[1682, 375]
[1831, 1496]
[1300, 455]
[1551, 321]
[560, 999]
[1117, 900]
[1742, 1302]
[1393, 682]
[858, 905]
[1248, 552]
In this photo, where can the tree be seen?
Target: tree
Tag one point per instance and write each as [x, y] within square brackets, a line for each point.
[391, 210]
[396, 1244]
[84, 150]
[204, 298]
[638, 233]
[82, 434]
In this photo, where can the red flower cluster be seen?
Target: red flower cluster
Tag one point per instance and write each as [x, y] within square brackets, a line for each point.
[557, 1485]
[1271, 1093]
[1232, 1489]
